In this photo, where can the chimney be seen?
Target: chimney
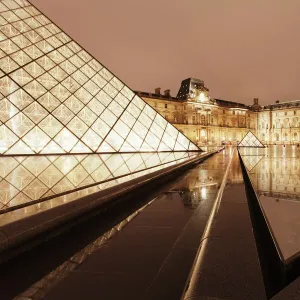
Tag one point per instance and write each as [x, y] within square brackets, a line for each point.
[167, 93]
[255, 101]
[157, 91]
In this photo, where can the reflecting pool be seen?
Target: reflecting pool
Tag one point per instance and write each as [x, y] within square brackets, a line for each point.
[275, 174]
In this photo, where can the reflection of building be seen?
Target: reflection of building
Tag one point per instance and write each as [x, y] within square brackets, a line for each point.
[213, 121]
[277, 177]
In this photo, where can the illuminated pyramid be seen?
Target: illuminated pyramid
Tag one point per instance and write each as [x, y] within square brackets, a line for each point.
[250, 140]
[56, 98]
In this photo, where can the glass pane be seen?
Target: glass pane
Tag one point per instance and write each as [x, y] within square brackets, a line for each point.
[7, 110]
[50, 125]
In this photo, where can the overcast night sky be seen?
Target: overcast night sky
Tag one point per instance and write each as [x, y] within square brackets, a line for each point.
[240, 48]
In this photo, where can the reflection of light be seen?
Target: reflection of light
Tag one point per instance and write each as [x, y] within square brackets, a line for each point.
[205, 184]
[203, 192]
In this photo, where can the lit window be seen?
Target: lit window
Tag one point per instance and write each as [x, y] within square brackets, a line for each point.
[202, 97]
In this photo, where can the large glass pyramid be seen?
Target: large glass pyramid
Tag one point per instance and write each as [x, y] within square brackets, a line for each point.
[24, 179]
[250, 140]
[56, 98]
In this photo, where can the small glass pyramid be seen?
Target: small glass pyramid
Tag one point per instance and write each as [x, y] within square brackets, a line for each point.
[250, 140]
[56, 98]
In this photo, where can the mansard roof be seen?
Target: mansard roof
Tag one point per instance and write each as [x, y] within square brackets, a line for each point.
[282, 105]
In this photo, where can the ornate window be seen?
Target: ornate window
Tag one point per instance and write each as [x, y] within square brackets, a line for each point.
[295, 136]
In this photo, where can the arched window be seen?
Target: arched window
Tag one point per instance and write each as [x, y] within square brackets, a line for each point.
[295, 122]
[286, 123]
[295, 136]
[277, 123]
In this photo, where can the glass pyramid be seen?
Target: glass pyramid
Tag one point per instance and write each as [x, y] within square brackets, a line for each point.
[24, 179]
[250, 140]
[56, 98]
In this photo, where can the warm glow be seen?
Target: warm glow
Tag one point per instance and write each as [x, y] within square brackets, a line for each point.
[250, 140]
[202, 97]
[56, 98]
[203, 192]
[37, 177]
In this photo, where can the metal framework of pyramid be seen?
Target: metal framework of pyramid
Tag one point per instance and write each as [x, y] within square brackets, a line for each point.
[250, 140]
[56, 98]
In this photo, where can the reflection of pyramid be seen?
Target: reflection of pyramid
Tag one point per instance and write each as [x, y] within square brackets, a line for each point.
[250, 161]
[56, 98]
[250, 140]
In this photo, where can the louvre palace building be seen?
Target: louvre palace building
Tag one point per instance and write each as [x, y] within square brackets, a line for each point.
[208, 121]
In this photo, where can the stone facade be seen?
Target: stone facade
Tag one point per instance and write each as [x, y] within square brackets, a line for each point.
[280, 123]
[208, 121]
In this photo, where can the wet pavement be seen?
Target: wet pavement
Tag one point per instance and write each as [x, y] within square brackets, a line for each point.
[227, 265]
[148, 246]
[147, 254]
